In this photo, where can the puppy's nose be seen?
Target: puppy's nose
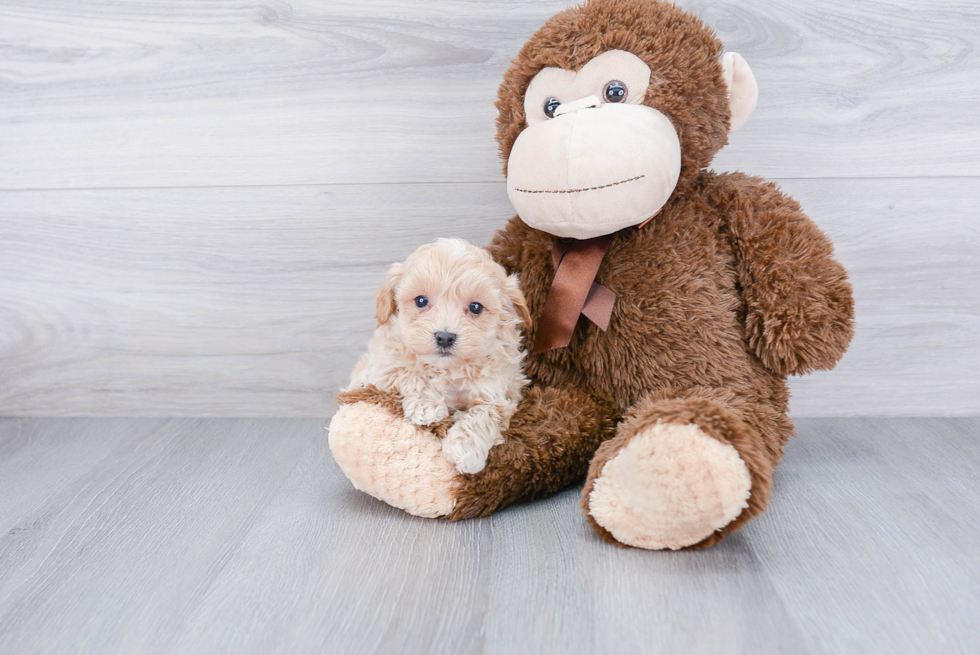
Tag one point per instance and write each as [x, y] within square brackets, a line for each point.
[445, 339]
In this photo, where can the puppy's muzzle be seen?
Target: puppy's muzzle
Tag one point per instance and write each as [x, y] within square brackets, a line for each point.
[445, 340]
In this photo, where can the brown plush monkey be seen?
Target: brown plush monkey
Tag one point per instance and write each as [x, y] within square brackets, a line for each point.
[670, 301]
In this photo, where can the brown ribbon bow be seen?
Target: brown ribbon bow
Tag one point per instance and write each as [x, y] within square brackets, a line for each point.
[574, 292]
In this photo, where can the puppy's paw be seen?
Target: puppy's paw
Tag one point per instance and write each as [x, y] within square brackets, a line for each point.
[467, 451]
[423, 412]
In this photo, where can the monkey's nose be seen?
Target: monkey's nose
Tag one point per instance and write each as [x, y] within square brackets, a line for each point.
[575, 105]
[445, 339]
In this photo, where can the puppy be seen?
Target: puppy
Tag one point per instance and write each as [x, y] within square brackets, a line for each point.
[448, 342]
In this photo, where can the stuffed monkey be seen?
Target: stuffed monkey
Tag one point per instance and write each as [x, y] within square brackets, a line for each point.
[670, 302]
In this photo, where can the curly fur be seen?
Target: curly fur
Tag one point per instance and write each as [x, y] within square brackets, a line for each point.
[476, 381]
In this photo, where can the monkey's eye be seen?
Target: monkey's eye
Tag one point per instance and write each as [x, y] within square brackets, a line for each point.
[421, 302]
[550, 105]
[615, 91]
[476, 308]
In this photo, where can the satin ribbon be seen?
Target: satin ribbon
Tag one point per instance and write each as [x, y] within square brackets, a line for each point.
[574, 292]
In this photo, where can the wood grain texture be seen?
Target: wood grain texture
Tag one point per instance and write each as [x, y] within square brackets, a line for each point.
[908, 579]
[243, 536]
[196, 302]
[110, 559]
[258, 301]
[180, 93]
[344, 134]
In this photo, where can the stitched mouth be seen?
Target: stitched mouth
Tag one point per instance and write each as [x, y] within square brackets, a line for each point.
[591, 188]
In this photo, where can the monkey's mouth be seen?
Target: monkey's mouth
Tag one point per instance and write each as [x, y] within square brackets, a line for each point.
[591, 188]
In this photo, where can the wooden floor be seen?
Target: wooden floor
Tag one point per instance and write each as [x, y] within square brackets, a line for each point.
[224, 535]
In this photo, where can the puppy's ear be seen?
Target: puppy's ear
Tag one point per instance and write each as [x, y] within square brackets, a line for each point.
[516, 297]
[385, 303]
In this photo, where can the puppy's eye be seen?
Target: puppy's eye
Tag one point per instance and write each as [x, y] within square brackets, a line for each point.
[615, 91]
[476, 308]
[421, 302]
[550, 105]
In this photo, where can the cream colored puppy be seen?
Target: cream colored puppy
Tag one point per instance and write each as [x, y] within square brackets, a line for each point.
[448, 342]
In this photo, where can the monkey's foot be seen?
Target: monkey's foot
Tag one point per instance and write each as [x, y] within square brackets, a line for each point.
[666, 486]
[388, 457]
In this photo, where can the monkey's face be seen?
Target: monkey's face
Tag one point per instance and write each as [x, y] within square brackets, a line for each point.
[596, 137]
[593, 158]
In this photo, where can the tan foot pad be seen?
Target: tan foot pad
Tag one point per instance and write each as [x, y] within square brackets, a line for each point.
[393, 460]
[670, 487]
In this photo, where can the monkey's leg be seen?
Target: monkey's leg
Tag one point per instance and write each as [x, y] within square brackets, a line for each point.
[548, 446]
[386, 456]
[685, 469]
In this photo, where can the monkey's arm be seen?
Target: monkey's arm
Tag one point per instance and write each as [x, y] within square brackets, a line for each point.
[799, 309]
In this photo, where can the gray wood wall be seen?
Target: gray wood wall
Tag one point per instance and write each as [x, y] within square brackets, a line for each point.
[198, 199]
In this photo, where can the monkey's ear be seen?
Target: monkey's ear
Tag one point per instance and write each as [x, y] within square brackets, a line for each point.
[516, 297]
[385, 303]
[743, 91]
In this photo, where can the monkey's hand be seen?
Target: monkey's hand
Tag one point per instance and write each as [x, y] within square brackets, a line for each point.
[799, 309]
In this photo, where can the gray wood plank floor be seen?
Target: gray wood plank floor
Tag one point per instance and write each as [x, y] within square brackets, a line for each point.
[224, 535]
